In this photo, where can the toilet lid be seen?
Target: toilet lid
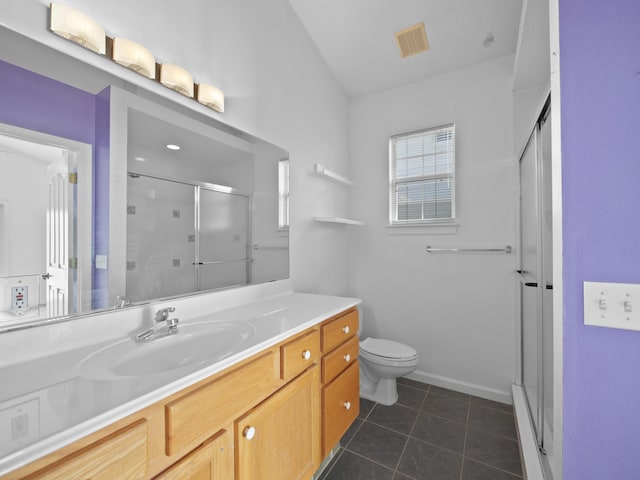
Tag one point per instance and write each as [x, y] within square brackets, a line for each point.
[387, 348]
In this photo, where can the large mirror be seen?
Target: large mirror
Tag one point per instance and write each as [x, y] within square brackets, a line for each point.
[111, 195]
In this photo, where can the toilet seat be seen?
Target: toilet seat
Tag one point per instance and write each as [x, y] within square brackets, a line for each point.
[378, 349]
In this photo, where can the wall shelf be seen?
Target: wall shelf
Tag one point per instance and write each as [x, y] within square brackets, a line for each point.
[331, 175]
[344, 221]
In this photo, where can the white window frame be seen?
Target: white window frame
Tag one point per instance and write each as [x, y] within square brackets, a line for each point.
[283, 194]
[394, 181]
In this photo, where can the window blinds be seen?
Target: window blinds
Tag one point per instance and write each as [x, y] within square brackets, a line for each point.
[422, 174]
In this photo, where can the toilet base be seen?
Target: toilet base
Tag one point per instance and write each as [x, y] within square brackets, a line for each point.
[385, 392]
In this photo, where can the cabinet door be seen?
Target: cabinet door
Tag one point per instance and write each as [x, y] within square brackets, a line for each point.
[280, 438]
[211, 461]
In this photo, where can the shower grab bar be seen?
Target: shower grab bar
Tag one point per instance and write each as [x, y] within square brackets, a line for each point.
[506, 249]
[217, 262]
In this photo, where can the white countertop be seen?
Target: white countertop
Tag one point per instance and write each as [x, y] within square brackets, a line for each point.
[60, 405]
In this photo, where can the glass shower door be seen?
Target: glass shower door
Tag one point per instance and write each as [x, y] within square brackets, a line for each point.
[223, 240]
[529, 278]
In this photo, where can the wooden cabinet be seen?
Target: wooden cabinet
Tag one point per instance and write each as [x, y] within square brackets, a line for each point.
[202, 432]
[280, 438]
[211, 461]
[122, 454]
[340, 377]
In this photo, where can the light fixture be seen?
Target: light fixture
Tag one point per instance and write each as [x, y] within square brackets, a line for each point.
[172, 146]
[211, 97]
[177, 79]
[77, 27]
[140, 159]
[134, 56]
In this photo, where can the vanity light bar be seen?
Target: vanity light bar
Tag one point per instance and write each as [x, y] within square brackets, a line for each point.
[176, 78]
[83, 30]
[77, 27]
[134, 57]
[210, 96]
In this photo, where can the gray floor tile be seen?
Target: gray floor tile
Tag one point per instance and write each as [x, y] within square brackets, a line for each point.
[483, 402]
[494, 450]
[493, 421]
[413, 383]
[477, 471]
[327, 469]
[351, 431]
[451, 408]
[426, 462]
[410, 397]
[395, 417]
[365, 407]
[401, 476]
[378, 444]
[440, 432]
[448, 393]
[354, 467]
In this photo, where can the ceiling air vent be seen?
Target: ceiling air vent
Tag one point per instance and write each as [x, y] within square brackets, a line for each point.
[412, 40]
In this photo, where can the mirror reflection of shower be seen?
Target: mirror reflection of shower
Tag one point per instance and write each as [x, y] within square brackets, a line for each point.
[185, 237]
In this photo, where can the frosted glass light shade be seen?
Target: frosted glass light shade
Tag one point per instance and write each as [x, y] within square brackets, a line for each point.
[177, 79]
[77, 27]
[211, 97]
[134, 56]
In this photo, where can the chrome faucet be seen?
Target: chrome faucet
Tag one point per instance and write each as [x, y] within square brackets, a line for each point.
[152, 333]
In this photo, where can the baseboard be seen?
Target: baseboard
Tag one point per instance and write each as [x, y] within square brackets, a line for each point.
[464, 387]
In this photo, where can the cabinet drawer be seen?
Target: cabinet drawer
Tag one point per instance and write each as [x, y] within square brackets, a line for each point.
[337, 331]
[340, 406]
[192, 418]
[335, 362]
[298, 355]
[211, 461]
[124, 452]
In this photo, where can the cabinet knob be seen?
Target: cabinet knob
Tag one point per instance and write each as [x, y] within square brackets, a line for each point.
[347, 405]
[249, 432]
[345, 329]
[306, 354]
[347, 358]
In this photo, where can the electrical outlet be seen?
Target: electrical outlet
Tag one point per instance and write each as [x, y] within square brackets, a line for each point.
[19, 298]
[19, 424]
[613, 305]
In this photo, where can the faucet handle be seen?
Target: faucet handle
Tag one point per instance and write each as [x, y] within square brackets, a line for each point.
[163, 314]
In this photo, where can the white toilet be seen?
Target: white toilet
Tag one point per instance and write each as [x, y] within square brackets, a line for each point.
[381, 362]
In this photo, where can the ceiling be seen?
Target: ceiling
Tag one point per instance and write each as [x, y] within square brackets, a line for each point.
[356, 37]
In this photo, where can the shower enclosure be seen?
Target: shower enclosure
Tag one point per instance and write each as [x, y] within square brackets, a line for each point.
[185, 237]
[536, 284]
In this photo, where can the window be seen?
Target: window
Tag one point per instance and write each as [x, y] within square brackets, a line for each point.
[422, 176]
[283, 194]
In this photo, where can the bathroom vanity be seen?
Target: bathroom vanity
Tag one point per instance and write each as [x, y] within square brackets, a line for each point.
[273, 406]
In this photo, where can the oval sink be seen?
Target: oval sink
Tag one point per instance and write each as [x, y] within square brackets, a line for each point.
[194, 344]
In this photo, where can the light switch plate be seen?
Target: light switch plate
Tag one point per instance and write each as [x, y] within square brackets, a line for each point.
[613, 305]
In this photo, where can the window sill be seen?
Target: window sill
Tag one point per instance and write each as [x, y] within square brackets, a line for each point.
[439, 228]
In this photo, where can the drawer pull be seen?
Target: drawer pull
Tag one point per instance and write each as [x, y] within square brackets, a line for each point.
[345, 329]
[306, 354]
[347, 358]
[249, 432]
[347, 405]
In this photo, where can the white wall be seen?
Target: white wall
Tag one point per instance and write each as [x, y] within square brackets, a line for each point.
[457, 310]
[277, 87]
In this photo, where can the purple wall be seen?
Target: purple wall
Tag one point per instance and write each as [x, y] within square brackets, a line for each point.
[36, 102]
[600, 103]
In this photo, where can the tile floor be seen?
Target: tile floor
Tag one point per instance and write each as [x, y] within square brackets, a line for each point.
[430, 434]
